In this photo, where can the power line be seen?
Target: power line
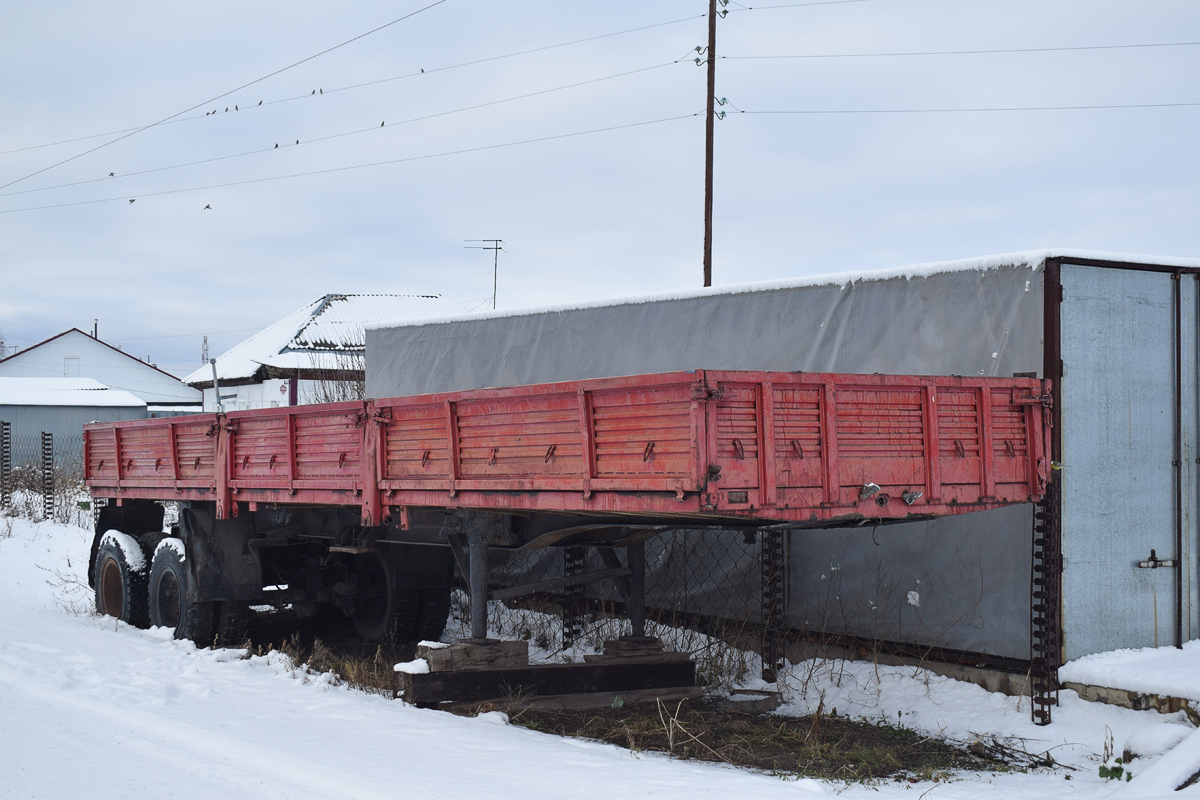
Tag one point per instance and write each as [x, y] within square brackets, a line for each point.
[970, 52]
[976, 110]
[225, 94]
[797, 5]
[372, 129]
[357, 166]
[368, 83]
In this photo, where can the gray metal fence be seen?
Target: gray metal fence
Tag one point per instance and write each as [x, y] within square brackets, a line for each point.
[41, 476]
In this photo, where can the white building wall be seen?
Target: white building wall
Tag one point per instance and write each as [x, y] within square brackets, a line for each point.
[271, 393]
[77, 355]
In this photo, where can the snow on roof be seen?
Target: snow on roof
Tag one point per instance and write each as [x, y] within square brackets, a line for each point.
[64, 392]
[331, 324]
[1033, 259]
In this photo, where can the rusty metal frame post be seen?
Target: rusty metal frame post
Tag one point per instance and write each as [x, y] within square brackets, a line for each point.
[5, 465]
[47, 475]
[478, 583]
[574, 563]
[773, 560]
[1045, 626]
[635, 558]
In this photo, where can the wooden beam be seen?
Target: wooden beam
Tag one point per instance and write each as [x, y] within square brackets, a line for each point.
[546, 679]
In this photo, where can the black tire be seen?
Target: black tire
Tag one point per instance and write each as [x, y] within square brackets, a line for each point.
[232, 620]
[384, 611]
[167, 591]
[434, 613]
[119, 577]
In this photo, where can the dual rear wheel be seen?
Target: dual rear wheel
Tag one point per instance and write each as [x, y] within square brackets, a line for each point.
[143, 591]
[150, 591]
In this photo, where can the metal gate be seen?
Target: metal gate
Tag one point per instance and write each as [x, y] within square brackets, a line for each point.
[1128, 348]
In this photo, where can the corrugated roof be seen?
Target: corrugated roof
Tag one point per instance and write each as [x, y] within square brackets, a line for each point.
[64, 392]
[327, 326]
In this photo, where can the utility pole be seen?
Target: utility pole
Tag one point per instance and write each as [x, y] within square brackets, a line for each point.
[496, 249]
[709, 118]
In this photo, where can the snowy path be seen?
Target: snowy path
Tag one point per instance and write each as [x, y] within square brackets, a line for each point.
[91, 708]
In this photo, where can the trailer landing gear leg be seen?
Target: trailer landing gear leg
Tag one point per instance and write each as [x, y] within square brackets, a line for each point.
[635, 556]
[478, 585]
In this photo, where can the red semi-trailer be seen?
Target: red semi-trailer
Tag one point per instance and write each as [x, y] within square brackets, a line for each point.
[339, 504]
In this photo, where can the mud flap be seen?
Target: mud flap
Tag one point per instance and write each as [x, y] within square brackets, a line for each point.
[220, 563]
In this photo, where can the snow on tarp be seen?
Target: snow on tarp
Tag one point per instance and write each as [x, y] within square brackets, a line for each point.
[1164, 671]
[1033, 259]
[86, 392]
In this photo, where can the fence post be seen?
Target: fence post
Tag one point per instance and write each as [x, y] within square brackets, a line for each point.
[773, 561]
[47, 475]
[5, 465]
[574, 560]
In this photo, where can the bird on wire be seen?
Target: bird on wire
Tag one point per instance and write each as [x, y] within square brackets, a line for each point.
[207, 208]
[112, 174]
[133, 200]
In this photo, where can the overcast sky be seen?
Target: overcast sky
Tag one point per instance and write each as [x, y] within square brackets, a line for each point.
[591, 216]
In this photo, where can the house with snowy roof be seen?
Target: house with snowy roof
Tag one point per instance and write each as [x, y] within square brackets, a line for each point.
[75, 354]
[62, 406]
[314, 354]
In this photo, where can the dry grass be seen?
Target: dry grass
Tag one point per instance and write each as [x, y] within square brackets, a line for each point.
[327, 643]
[818, 746]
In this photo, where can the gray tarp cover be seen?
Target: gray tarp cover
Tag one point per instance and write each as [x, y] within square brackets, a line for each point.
[968, 576]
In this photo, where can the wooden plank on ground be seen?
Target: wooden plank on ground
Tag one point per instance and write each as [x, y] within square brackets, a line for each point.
[542, 680]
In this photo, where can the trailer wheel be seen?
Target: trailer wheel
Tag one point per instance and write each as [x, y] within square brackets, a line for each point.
[169, 606]
[384, 611]
[435, 611]
[119, 576]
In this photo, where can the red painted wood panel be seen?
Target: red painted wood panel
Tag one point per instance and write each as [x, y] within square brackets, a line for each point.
[808, 448]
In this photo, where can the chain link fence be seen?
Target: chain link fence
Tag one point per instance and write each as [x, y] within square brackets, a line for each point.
[41, 477]
[716, 594]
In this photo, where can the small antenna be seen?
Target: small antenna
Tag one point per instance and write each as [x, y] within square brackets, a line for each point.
[204, 351]
[496, 249]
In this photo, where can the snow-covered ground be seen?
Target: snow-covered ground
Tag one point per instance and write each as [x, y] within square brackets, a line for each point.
[1165, 671]
[89, 707]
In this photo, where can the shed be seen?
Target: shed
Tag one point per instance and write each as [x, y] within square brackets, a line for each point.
[75, 354]
[314, 354]
[1116, 562]
[59, 406]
